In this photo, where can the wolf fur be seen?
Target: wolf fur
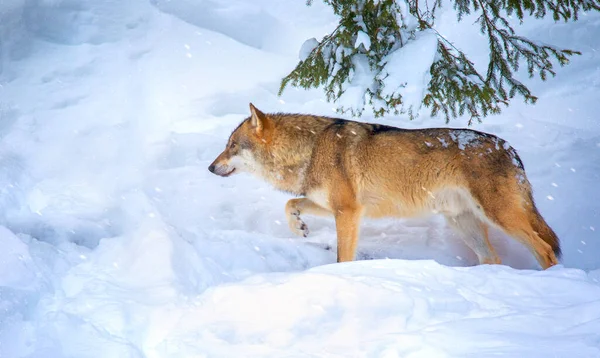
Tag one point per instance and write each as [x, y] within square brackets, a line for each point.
[349, 170]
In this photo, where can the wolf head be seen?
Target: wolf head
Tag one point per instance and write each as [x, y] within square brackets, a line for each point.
[246, 145]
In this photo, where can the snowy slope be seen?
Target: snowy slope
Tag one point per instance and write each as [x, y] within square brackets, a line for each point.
[117, 241]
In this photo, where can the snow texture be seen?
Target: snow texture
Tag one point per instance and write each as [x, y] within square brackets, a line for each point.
[359, 81]
[307, 47]
[363, 39]
[403, 16]
[118, 242]
[406, 70]
[465, 139]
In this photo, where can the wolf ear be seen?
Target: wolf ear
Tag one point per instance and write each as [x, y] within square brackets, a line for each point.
[257, 120]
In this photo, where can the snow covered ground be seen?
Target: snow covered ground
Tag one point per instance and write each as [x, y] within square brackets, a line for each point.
[116, 241]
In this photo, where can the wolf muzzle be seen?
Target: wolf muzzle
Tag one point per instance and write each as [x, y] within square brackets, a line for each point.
[223, 171]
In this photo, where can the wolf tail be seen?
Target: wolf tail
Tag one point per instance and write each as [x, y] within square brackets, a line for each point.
[536, 220]
[544, 231]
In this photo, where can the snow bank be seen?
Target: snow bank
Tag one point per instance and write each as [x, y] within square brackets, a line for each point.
[394, 309]
[117, 242]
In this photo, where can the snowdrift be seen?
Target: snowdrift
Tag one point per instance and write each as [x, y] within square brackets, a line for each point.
[117, 241]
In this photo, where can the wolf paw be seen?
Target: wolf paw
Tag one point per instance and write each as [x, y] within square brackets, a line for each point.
[296, 224]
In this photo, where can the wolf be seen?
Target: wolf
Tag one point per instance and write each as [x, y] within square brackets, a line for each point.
[350, 170]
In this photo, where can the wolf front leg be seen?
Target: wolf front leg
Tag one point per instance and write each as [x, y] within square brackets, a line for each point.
[295, 207]
[347, 224]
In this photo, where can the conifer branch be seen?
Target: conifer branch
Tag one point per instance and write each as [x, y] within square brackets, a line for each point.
[370, 31]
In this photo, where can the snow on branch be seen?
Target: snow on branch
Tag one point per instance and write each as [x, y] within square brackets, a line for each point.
[387, 55]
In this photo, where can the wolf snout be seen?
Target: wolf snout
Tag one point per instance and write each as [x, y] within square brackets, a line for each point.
[221, 170]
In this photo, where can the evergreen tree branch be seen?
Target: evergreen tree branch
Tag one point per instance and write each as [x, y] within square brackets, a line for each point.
[370, 31]
[508, 49]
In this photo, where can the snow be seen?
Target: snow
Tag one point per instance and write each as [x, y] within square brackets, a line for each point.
[363, 39]
[117, 241]
[406, 76]
[443, 141]
[359, 81]
[403, 16]
[466, 139]
[307, 47]
[414, 309]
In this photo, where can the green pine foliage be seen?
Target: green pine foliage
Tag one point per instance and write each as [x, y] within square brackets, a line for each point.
[369, 31]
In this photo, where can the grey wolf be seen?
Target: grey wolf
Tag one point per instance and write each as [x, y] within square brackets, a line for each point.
[350, 170]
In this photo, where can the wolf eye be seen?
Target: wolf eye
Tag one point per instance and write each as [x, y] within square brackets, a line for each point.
[233, 145]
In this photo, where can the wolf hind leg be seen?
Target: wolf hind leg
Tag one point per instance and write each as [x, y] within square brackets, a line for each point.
[295, 207]
[475, 235]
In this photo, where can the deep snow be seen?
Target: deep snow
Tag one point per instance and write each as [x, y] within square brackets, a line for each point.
[117, 242]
